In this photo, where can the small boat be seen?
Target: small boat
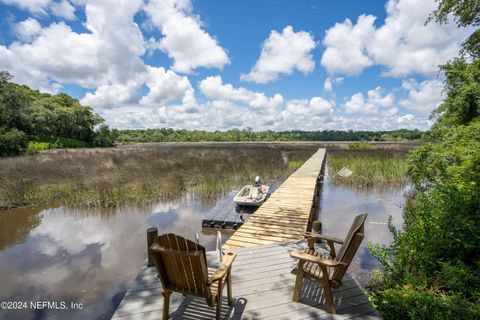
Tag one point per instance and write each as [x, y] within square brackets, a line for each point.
[252, 195]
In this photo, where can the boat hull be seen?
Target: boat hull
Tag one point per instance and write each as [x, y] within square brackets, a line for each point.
[251, 196]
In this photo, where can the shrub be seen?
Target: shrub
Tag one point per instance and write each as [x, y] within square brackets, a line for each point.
[70, 143]
[409, 303]
[438, 246]
[36, 146]
[362, 145]
[12, 142]
[105, 137]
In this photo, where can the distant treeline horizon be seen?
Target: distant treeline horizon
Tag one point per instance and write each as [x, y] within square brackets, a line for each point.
[32, 121]
[183, 135]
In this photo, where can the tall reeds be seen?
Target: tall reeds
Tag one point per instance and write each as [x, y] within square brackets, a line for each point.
[370, 167]
[108, 177]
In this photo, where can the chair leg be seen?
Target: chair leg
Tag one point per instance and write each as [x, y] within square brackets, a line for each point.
[298, 282]
[229, 287]
[218, 315]
[327, 291]
[166, 303]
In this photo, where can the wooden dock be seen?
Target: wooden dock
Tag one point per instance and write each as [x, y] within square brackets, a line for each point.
[262, 281]
[262, 285]
[286, 215]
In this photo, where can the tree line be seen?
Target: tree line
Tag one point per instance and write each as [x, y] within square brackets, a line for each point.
[181, 135]
[31, 120]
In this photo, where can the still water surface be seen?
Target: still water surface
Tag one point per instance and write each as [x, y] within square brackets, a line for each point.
[91, 255]
[339, 205]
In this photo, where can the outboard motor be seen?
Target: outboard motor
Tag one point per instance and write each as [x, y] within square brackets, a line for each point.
[258, 181]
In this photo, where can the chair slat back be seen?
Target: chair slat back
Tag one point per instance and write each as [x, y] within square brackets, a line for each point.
[350, 246]
[181, 265]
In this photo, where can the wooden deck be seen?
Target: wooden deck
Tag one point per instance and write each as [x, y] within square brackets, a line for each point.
[285, 215]
[262, 289]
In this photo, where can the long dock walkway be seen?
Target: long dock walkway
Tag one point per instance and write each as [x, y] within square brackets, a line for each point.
[285, 215]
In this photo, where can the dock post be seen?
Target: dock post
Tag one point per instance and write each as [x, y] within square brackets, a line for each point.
[152, 233]
[317, 226]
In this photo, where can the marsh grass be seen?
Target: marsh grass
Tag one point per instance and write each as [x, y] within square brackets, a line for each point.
[370, 167]
[115, 176]
[294, 165]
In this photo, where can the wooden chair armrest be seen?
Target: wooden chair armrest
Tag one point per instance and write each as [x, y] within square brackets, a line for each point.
[310, 258]
[224, 267]
[323, 237]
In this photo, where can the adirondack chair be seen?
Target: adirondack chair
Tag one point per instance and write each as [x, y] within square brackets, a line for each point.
[327, 269]
[182, 267]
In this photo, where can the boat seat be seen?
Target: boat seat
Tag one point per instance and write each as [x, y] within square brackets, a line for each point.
[254, 193]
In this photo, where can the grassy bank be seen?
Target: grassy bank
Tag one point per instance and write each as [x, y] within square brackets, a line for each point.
[93, 177]
[370, 167]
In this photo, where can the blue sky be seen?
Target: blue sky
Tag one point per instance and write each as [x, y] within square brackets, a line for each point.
[216, 65]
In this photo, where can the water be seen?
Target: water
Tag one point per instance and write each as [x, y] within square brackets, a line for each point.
[339, 206]
[90, 256]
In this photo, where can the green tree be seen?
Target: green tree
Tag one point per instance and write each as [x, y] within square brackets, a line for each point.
[465, 13]
[434, 259]
[59, 120]
[462, 90]
[432, 269]
[13, 117]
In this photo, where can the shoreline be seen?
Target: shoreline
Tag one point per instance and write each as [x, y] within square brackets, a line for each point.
[385, 145]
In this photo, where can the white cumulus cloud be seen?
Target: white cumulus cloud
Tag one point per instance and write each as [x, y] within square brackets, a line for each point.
[345, 50]
[282, 53]
[27, 29]
[226, 107]
[62, 9]
[329, 82]
[184, 39]
[34, 6]
[101, 56]
[422, 97]
[375, 100]
[328, 85]
[214, 88]
[403, 44]
[405, 118]
[113, 95]
[166, 85]
[163, 87]
[321, 106]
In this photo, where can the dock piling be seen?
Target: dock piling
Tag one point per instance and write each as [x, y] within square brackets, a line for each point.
[152, 233]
